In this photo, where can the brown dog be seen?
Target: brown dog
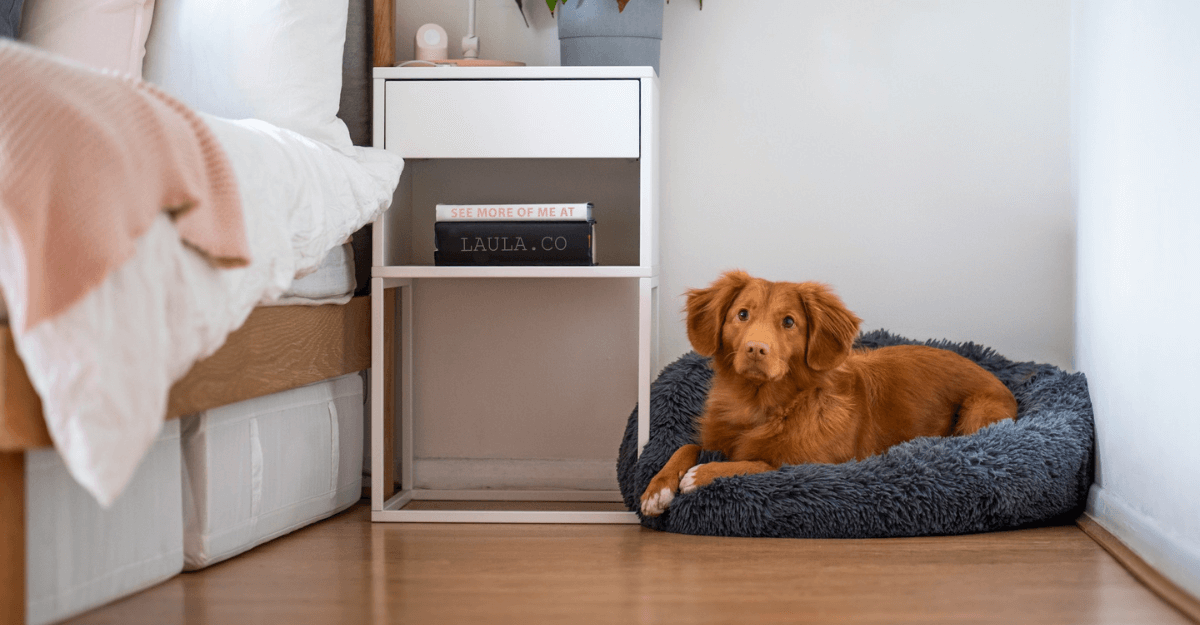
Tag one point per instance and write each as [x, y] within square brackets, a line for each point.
[788, 388]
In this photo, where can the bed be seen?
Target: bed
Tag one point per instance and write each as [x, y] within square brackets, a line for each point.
[276, 348]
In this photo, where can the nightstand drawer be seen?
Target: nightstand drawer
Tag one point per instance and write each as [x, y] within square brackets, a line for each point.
[513, 118]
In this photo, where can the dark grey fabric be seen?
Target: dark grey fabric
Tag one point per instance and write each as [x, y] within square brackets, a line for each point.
[10, 18]
[1035, 470]
[357, 62]
[361, 244]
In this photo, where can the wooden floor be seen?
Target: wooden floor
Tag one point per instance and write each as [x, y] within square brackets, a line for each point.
[347, 570]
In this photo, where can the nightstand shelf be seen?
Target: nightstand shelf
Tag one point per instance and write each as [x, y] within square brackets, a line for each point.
[429, 271]
[491, 127]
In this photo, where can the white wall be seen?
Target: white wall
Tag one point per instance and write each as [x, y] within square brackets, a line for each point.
[912, 153]
[1136, 150]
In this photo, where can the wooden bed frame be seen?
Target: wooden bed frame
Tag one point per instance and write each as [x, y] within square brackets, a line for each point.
[278, 348]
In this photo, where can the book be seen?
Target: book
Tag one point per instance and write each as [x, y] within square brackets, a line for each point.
[514, 212]
[520, 243]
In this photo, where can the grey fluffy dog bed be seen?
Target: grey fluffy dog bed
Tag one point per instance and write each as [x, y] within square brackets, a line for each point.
[1032, 471]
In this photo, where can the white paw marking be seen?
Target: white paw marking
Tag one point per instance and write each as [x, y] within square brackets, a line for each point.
[657, 503]
[688, 483]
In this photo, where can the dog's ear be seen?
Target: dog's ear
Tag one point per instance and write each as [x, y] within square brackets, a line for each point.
[831, 327]
[706, 310]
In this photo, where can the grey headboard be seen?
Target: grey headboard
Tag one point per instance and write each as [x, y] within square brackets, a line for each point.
[355, 109]
[357, 62]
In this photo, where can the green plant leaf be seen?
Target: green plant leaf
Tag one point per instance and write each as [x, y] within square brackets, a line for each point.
[551, 4]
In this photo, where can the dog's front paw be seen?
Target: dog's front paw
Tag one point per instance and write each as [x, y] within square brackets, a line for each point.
[693, 480]
[654, 504]
[659, 493]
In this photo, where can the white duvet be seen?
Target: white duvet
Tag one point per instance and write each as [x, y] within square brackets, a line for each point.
[104, 368]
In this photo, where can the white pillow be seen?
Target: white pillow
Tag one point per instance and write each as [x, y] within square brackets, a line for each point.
[275, 60]
[104, 34]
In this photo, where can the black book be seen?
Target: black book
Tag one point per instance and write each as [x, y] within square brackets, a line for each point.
[507, 243]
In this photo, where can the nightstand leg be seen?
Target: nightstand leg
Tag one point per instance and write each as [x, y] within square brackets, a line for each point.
[384, 361]
[389, 393]
[379, 353]
[405, 289]
[646, 341]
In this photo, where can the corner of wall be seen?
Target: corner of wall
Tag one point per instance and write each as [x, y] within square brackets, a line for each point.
[1173, 556]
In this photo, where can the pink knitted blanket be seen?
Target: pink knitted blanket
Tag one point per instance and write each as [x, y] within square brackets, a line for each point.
[87, 162]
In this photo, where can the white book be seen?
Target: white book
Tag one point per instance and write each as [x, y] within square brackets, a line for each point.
[514, 212]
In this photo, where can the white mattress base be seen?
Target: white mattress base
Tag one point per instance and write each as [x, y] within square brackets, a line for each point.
[262, 468]
[80, 556]
[332, 283]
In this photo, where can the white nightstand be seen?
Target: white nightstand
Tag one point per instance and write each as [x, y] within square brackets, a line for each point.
[502, 124]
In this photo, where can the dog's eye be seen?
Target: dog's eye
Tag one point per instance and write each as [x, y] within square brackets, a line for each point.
[743, 314]
[788, 322]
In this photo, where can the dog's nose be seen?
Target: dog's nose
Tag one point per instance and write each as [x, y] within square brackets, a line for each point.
[756, 350]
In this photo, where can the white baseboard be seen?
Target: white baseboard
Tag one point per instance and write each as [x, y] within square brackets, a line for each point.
[1170, 555]
[485, 473]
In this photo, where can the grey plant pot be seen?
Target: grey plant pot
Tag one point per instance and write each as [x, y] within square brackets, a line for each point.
[593, 32]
